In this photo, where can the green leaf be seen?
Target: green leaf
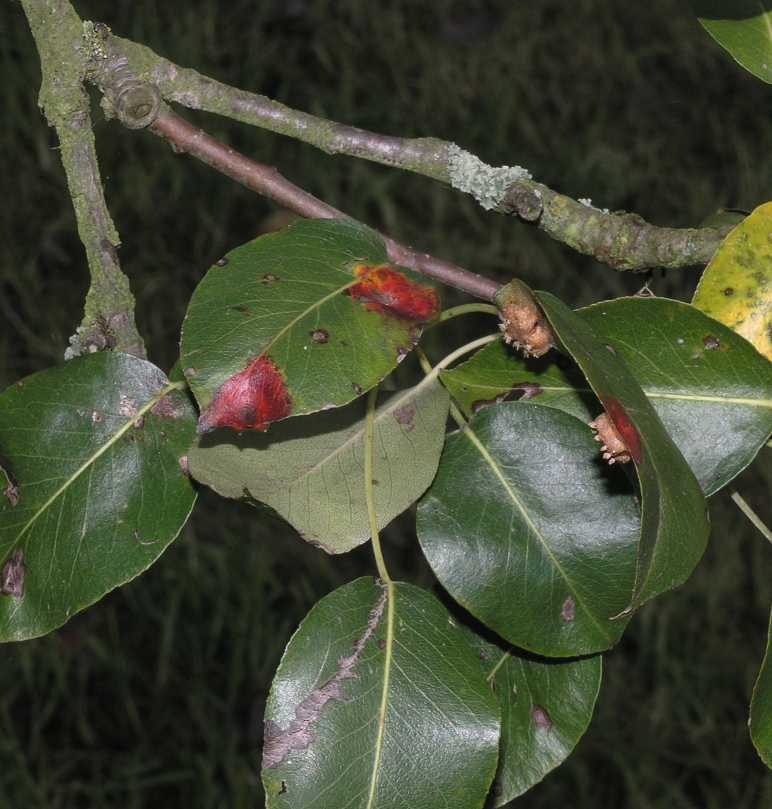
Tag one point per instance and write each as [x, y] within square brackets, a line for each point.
[546, 707]
[674, 515]
[299, 321]
[499, 373]
[379, 703]
[95, 447]
[310, 469]
[693, 370]
[761, 706]
[524, 528]
[736, 287]
[742, 27]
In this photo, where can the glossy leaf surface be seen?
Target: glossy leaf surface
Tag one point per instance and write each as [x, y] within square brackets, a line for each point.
[674, 518]
[379, 703]
[529, 532]
[736, 287]
[546, 707]
[693, 370]
[95, 455]
[761, 706]
[310, 469]
[299, 321]
[742, 27]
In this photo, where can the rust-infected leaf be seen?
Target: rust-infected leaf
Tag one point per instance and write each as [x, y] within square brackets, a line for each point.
[249, 400]
[388, 291]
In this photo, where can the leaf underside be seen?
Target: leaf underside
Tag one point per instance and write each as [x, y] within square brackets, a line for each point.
[310, 469]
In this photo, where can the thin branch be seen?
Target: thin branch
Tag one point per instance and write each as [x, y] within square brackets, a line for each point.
[266, 180]
[624, 241]
[108, 320]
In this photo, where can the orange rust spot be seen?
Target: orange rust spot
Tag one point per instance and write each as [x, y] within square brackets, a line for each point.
[626, 429]
[387, 291]
[249, 400]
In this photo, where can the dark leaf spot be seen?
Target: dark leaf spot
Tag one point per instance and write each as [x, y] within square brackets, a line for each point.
[242, 308]
[283, 788]
[12, 575]
[97, 417]
[381, 644]
[541, 718]
[711, 343]
[357, 388]
[568, 612]
[170, 407]
[269, 278]
[320, 336]
[529, 390]
[405, 416]
[729, 291]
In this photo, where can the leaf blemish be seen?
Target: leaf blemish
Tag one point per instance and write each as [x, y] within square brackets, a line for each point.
[405, 416]
[269, 278]
[249, 400]
[387, 291]
[278, 741]
[711, 343]
[221, 262]
[568, 611]
[320, 336]
[541, 718]
[13, 575]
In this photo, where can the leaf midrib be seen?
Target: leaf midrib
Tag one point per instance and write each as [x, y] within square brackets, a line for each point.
[482, 449]
[92, 459]
[651, 393]
[388, 657]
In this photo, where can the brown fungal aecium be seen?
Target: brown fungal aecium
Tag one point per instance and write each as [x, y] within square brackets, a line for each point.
[613, 447]
[523, 323]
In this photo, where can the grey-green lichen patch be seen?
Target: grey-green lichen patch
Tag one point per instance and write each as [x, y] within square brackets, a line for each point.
[487, 184]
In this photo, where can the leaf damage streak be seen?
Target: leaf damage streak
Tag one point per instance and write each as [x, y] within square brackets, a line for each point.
[249, 400]
[279, 742]
[387, 291]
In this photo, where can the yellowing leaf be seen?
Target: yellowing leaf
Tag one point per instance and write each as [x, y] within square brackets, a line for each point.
[736, 287]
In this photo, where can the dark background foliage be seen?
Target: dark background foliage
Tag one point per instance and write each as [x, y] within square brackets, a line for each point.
[154, 697]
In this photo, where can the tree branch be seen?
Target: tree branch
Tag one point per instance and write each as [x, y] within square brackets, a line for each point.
[108, 320]
[266, 180]
[624, 241]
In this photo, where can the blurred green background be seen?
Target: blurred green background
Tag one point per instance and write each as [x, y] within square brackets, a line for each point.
[154, 697]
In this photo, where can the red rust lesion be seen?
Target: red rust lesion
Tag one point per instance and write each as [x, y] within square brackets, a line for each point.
[250, 400]
[388, 291]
